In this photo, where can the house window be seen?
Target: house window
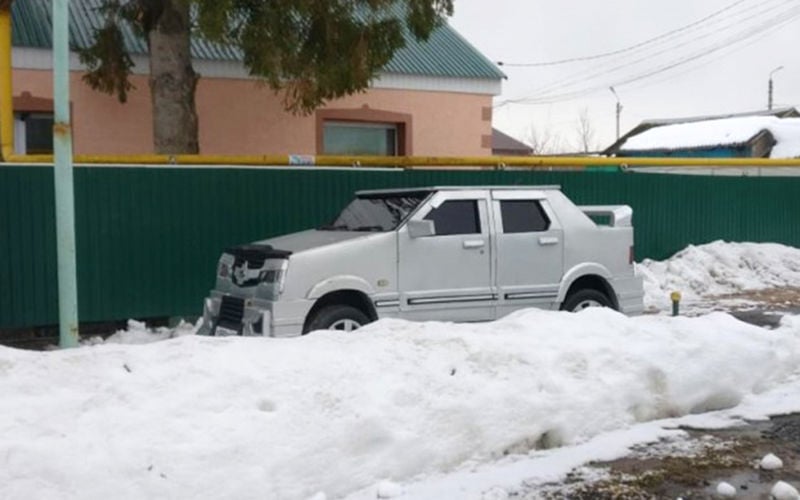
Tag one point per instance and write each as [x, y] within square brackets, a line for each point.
[33, 124]
[363, 131]
[353, 138]
[33, 133]
[523, 216]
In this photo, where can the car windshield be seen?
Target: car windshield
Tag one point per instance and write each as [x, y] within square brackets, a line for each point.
[376, 212]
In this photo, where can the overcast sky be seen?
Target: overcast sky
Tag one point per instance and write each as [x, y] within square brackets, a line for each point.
[731, 47]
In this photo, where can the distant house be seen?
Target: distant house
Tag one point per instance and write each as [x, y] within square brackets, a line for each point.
[433, 98]
[766, 134]
[505, 145]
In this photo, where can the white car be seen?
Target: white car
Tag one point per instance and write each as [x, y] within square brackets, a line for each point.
[438, 253]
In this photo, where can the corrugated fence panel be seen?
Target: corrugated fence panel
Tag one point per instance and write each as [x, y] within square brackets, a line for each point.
[28, 286]
[148, 238]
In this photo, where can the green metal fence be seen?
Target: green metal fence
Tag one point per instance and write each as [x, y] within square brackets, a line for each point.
[148, 238]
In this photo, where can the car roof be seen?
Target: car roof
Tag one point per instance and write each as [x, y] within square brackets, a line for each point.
[427, 189]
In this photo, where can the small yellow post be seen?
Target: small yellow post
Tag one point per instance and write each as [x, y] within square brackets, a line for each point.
[676, 302]
[6, 101]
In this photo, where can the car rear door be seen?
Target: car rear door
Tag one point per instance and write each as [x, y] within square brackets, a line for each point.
[528, 248]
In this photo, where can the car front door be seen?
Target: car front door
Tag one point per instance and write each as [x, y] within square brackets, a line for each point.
[529, 249]
[447, 275]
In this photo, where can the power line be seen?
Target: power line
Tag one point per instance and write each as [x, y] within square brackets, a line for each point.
[759, 31]
[623, 50]
[696, 67]
[580, 93]
[600, 70]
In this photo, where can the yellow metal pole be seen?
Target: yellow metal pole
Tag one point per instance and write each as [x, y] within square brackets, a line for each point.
[532, 162]
[6, 101]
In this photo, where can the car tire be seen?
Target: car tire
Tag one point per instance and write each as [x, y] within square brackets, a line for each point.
[340, 318]
[583, 299]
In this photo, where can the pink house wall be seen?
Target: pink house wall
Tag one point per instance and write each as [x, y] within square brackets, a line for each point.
[242, 117]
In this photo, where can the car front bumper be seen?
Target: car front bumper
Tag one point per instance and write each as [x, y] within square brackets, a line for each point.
[225, 314]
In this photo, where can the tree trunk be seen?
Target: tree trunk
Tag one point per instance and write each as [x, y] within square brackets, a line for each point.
[173, 81]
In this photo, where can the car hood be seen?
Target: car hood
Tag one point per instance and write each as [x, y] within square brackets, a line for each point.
[313, 238]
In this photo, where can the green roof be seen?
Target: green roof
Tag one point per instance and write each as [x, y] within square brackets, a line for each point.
[444, 54]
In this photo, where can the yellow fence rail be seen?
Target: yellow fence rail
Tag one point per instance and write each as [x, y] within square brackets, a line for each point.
[407, 162]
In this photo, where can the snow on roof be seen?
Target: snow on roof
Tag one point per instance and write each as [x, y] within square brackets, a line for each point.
[729, 131]
[787, 112]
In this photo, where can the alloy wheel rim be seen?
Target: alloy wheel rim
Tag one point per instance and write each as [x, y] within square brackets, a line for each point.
[345, 325]
[585, 304]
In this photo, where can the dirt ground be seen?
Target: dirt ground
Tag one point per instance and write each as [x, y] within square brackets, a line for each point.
[782, 298]
[761, 307]
[691, 468]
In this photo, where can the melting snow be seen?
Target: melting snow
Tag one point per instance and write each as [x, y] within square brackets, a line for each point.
[718, 268]
[396, 409]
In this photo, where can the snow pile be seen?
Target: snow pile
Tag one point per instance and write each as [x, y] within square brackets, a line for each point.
[726, 490]
[784, 491]
[719, 268]
[770, 462]
[720, 132]
[138, 333]
[200, 417]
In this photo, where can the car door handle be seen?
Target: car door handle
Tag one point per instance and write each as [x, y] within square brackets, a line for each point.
[548, 240]
[473, 243]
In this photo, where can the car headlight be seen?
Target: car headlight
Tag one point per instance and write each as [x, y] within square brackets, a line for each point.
[224, 270]
[271, 275]
[275, 277]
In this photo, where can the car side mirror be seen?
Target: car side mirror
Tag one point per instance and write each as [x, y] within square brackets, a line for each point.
[421, 228]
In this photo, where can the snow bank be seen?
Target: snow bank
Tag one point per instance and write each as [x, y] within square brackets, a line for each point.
[198, 417]
[138, 333]
[719, 268]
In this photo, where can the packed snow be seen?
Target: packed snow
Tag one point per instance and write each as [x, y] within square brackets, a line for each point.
[395, 409]
[770, 462]
[704, 273]
[726, 490]
[720, 132]
[784, 491]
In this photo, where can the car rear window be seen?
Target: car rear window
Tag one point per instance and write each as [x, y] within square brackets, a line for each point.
[523, 216]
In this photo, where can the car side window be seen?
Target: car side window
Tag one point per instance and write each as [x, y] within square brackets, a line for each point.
[523, 216]
[456, 217]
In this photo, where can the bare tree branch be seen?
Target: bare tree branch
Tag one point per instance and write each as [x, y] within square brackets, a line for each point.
[585, 133]
[544, 141]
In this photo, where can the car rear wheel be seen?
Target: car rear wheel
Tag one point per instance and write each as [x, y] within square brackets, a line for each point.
[340, 318]
[583, 299]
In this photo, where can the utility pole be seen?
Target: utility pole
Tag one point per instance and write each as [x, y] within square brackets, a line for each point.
[769, 91]
[65, 194]
[618, 108]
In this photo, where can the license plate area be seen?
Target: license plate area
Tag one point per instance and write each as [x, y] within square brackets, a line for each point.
[225, 332]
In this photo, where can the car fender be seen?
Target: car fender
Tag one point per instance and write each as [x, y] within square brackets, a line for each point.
[582, 269]
[341, 282]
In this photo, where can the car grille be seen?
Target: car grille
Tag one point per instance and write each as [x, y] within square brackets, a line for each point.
[231, 311]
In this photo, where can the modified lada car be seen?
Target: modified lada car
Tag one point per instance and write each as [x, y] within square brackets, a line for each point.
[438, 253]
